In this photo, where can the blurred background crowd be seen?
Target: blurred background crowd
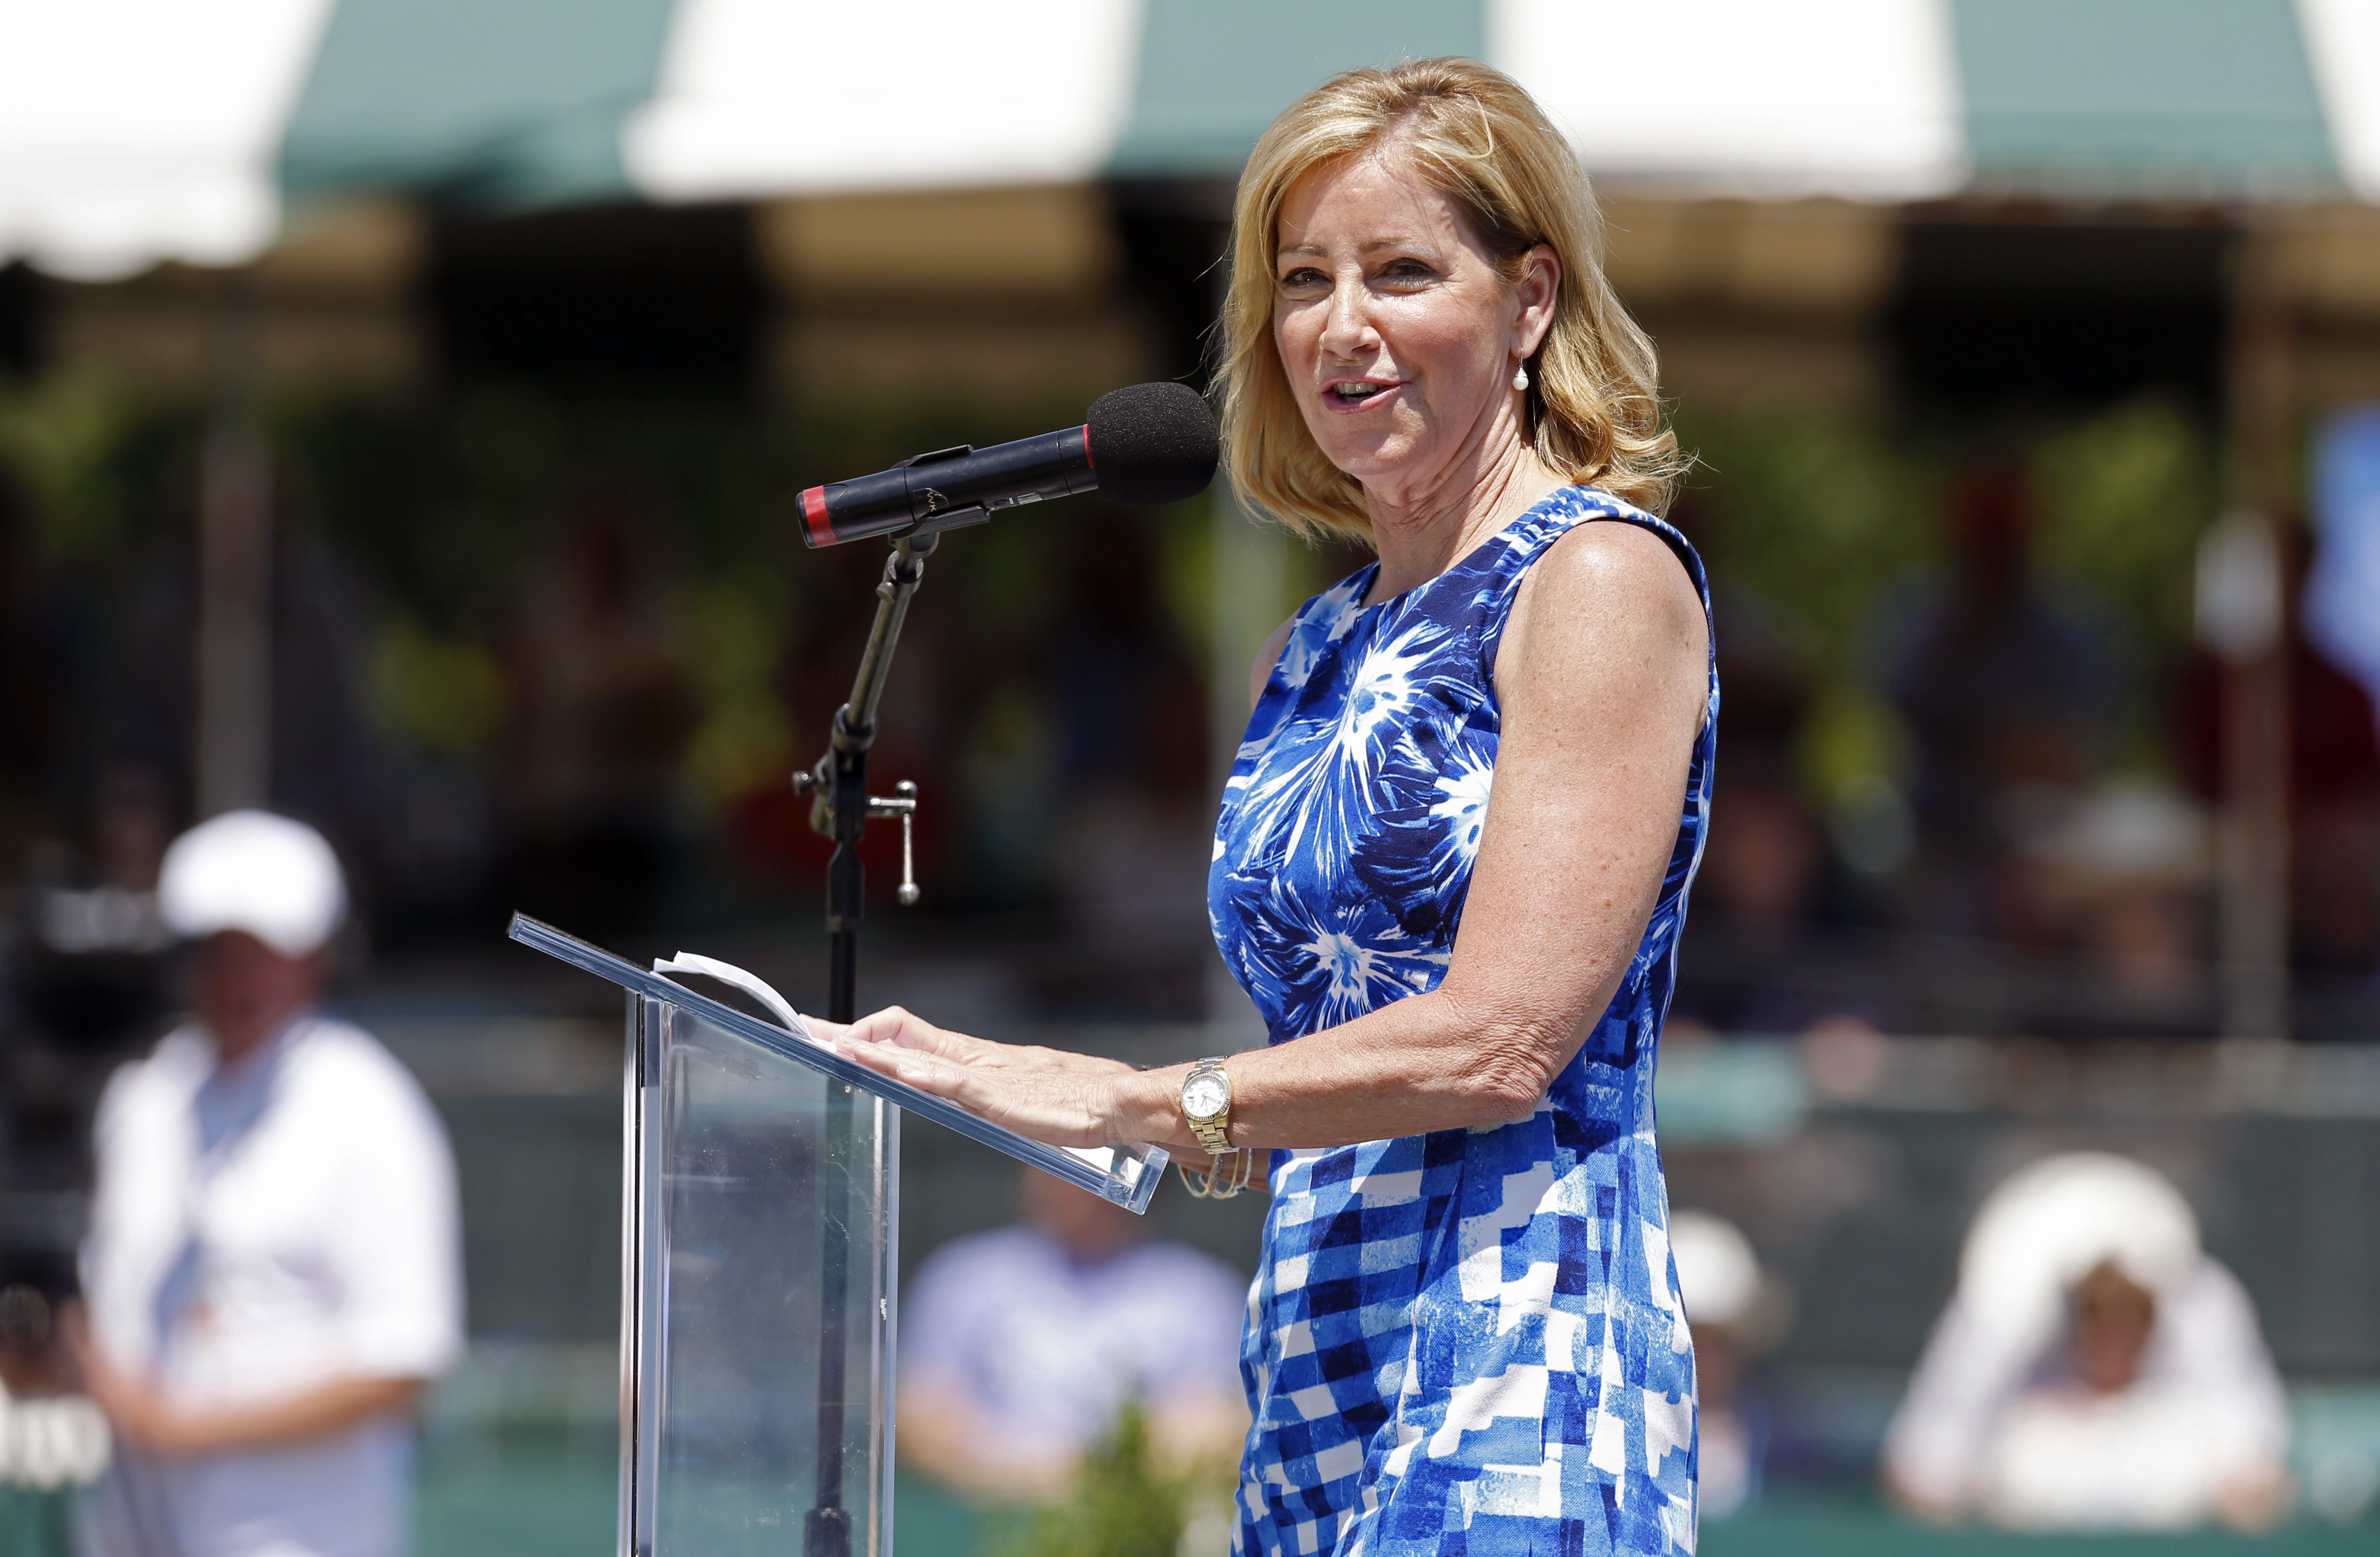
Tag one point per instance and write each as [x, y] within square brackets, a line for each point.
[447, 506]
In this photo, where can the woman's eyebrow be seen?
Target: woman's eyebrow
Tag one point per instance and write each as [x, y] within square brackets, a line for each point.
[1417, 246]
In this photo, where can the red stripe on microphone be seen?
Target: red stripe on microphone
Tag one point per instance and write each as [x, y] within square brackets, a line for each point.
[1086, 447]
[814, 514]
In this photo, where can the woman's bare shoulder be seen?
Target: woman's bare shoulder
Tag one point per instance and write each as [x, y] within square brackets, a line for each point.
[1609, 577]
[1607, 625]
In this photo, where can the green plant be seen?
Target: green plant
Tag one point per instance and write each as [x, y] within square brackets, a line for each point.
[1811, 520]
[736, 629]
[1125, 1502]
[2120, 502]
[65, 437]
[1814, 516]
[443, 696]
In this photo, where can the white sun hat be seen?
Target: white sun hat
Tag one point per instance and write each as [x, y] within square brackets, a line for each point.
[273, 877]
[1718, 1275]
[2050, 1223]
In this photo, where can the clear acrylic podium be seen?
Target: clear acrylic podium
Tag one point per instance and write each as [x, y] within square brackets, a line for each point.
[759, 1227]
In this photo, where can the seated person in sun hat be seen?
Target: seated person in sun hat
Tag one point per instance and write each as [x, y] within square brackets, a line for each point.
[272, 1269]
[2096, 1369]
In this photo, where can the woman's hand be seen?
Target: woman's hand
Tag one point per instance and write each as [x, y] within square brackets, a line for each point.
[905, 1029]
[1047, 1095]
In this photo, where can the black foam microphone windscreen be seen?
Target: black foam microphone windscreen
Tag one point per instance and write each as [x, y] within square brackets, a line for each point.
[1152, 443]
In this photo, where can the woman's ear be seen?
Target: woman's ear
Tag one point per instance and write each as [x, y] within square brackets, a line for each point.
[1539, 284]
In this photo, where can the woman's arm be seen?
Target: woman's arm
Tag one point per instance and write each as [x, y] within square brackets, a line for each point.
[1601, 678]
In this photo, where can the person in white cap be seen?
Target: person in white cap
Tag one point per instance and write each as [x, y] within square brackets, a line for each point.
[2096, 1369]
[1733, 1306]
[273, 1270]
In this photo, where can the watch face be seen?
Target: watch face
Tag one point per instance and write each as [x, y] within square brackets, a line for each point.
[1203, 1097]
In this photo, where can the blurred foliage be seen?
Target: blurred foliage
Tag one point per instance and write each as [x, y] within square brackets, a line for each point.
[1820, 522]
[65, 437]
[1849, 737]
[2120, 501]
[1811, 522]
[452, 509]
[1814, 516]
[443, 696]
[447, 508]
[1303, 567]
[1124, 1503]
[737, 626]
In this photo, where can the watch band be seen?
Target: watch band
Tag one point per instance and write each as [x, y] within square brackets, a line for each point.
[1213, 1131]
[1229, 1168]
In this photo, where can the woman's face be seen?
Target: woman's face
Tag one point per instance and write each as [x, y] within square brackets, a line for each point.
[1398, 336]
[2114, 1318]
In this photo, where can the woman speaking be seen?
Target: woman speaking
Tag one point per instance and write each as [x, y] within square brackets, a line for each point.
[1452, 858]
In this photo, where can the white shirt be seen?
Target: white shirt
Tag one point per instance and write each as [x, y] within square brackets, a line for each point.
[1990, 1423]
[1050, 1348]
[258, 1230]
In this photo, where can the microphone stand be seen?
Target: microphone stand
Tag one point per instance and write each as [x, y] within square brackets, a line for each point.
[841, 809]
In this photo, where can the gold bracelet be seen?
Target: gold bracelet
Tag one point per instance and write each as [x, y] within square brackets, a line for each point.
[1213, 1185]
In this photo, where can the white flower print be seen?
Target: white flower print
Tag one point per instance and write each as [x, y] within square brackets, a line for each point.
[1463, 803]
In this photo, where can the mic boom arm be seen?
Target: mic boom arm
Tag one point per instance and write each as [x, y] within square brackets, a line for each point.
[841, 806]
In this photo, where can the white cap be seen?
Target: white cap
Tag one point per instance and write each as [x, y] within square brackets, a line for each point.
[1718, 1275]
[253, 871]
[2051, 1223]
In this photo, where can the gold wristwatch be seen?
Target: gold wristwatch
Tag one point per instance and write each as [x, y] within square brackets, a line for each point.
[1207, 1105]
[1207, 1108]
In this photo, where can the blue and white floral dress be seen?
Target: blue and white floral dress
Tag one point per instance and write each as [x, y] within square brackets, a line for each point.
[1469, 1341]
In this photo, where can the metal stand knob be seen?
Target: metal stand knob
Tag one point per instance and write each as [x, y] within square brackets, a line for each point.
[903, 805]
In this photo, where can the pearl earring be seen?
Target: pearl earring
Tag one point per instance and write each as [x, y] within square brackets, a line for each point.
[1520, 376]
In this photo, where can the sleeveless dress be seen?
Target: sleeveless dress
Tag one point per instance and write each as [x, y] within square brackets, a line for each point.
[1469, 1341]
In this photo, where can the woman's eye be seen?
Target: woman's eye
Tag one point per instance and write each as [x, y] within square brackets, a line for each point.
[1404, 272]
[1304, 278]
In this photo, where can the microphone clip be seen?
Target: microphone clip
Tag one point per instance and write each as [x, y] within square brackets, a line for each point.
[942, 513]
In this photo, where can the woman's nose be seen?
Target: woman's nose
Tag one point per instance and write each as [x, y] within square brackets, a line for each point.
[1346, 331]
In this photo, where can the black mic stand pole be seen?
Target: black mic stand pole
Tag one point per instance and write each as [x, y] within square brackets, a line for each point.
[840, 808]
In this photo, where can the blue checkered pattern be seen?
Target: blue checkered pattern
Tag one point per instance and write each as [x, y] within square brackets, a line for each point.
[1467, 1342]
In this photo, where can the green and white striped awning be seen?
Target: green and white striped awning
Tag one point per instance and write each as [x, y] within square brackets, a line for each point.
[138, 130]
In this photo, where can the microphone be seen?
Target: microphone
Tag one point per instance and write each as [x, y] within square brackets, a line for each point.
[1140, 446]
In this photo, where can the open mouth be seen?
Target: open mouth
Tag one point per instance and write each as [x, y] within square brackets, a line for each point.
[1352, 393]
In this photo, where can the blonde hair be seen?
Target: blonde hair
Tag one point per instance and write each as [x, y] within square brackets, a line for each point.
[1471, 133]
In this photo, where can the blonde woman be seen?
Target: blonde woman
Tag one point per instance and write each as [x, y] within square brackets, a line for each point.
[1464, 1334]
